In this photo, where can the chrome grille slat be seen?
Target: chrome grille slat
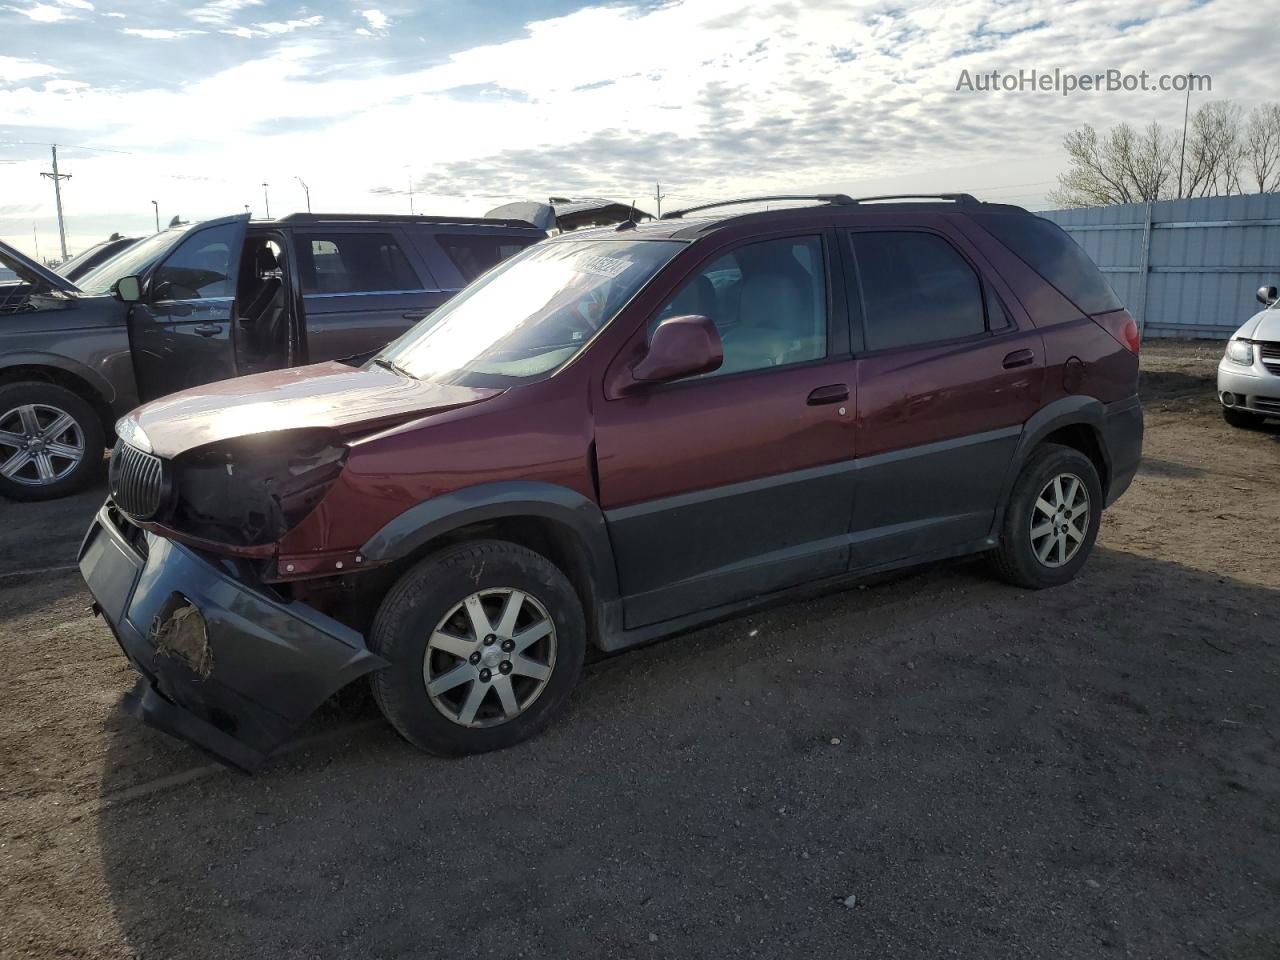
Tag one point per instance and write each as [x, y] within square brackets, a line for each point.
[136, 481]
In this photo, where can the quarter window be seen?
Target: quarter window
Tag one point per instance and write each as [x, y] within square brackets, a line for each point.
[768, 300]
[473, 255]
[199, 268]
[916, 288]
[354, 263]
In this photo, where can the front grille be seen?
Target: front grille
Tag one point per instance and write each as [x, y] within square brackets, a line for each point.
[137, 481]
[1265, 403]
[1271, 356]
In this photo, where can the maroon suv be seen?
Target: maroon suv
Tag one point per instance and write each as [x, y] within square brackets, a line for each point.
[613, 436]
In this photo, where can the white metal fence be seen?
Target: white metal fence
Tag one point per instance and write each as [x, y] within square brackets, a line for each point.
[1184, 268]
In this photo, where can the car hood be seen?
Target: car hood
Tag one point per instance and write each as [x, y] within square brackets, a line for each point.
[1263, 325]
[351, 400]
[33, 272]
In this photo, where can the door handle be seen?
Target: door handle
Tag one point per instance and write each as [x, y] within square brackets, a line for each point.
[831, 393]
[414, 316]
[207, 329]
[1019, 358]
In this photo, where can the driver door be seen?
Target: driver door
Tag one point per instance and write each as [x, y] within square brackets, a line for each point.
[181, 331]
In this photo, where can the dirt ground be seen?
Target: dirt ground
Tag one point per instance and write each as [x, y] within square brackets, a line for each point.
[1089, 771]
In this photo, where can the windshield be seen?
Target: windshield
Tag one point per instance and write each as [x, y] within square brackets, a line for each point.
[531, 314]
[130, 262]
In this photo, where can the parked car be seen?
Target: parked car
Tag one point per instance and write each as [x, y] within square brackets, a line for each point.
[611, 437]
[1249, 372]
[95, 256]
[198, 303]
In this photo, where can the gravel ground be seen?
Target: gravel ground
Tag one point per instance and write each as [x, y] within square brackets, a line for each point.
[939, 765]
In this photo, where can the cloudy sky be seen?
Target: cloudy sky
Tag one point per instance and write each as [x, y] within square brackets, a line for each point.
[476, 103]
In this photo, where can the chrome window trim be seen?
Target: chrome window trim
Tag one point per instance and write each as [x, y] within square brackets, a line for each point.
[371, 293]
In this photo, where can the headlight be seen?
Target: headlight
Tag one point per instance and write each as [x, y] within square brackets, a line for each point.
[1240, 351]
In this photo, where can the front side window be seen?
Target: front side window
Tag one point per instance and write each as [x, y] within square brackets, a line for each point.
[131, 262]
[199, 268]
[916, 288]
[473, 255]
[531, 314]
[768, 301]
[354, 263]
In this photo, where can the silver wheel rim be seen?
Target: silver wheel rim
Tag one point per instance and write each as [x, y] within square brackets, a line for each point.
[1060, 520]
[490, 657]
[39, 444]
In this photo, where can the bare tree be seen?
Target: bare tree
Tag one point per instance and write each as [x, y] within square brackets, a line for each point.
[1223, 155]
[1262, 138]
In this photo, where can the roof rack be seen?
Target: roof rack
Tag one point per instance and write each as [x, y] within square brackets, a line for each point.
[396, 218]
[960, 198]
[820, 197]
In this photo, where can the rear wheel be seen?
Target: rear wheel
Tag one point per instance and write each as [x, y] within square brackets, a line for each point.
[1241, 418]
[1051, 521]
[486, 640]
[51, 441]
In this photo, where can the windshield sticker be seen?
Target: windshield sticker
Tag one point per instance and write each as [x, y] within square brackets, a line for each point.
[607, 267]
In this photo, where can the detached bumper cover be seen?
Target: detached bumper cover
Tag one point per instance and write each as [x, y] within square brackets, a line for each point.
[1122, 429]
[264, 664]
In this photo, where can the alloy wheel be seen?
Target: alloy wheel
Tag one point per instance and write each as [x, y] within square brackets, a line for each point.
[1060, 520]
[490, 657]
[39, 444]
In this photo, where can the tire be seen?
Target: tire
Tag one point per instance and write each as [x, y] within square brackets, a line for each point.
[55, 475]
[1241, 418]
[435, 594]
[1018, 559]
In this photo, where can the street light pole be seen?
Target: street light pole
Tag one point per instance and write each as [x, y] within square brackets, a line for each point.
[157, 206]
[306, 190]
[266, 202]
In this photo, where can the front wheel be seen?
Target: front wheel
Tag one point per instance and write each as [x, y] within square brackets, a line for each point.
[486, 640]
[51, 441]
[1051, 521]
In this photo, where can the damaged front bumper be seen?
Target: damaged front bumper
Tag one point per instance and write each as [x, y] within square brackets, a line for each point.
[226, 664]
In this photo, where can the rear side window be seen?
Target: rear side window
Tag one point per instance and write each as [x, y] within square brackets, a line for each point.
[916, 288]
[354, 263]
[474, 254]
[1050, 252]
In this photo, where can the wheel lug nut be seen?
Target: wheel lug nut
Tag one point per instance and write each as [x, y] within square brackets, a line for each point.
[488, 641]
[475, 657]
[508, 645]
[485, 675]
[504, 667]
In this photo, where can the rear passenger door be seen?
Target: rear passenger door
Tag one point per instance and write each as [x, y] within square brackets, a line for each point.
[361, 288]
[946, 376]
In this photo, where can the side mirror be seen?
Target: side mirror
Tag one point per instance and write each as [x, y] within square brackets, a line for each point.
[680, 347]
[127, 289]
[1267, 296]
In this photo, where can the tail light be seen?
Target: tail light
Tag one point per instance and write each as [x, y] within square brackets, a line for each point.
[1121, 326]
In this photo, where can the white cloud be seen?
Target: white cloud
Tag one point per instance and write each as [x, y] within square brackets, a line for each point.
[15, 69]
[220, 11]
[376, 19]
[42, 12]
[288, 26]
[159, 34]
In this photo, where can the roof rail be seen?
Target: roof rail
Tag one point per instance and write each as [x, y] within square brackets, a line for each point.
[396, 218]
[963, 199]
[820, 197]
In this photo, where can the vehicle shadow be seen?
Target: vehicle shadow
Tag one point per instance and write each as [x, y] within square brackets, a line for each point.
[989, 771]
[38, 545]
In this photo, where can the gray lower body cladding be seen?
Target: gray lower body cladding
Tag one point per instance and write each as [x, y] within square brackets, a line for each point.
[225, 665]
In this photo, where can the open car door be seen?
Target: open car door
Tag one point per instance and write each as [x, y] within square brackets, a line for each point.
[181, 330]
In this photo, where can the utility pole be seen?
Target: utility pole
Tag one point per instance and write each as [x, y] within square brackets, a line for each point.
[306, 190]
[266, 202]
[411, 193]
[658, 197]
[35, 235]
[1182, 153]
[57, 179]
[157, 206]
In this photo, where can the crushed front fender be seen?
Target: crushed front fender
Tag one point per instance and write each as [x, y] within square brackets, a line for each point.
[228, 665]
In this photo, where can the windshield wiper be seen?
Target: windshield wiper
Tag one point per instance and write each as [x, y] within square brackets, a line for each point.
[395, 368]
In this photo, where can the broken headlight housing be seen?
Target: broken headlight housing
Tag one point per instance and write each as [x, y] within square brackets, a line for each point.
[252, 490]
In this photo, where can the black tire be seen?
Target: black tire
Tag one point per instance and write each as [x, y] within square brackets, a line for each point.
[50, 396]
[418, 602]
[1241, 418]
[1015, 559]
